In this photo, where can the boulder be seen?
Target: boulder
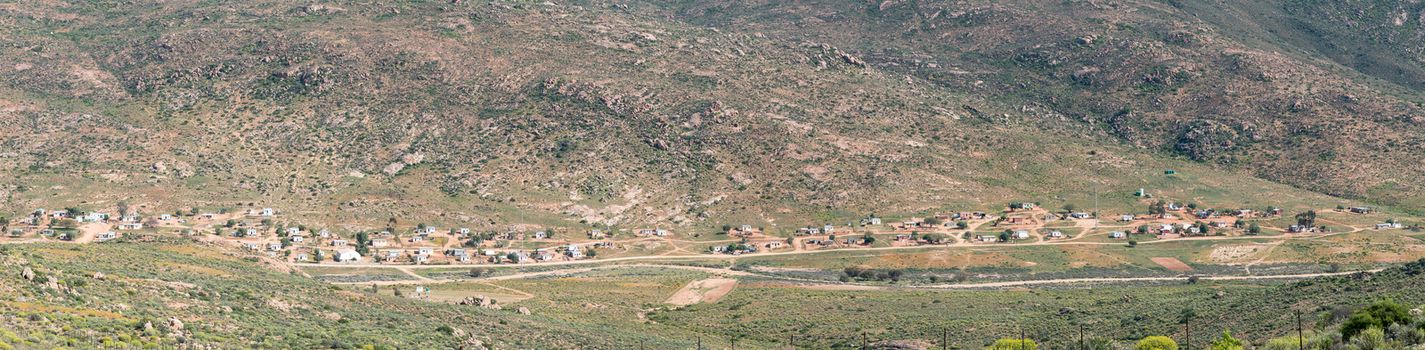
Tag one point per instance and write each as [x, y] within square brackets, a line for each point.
[525, 310]
[27, 274]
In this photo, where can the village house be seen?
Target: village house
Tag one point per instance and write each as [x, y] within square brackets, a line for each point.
[1174, 206]
[391, 255]
[132, 217]
[463, 231]
[543, 255]
[253, 246]
[347, 255]
[808, 231]
[131, 226]
[424, 251]
[274, 246]
[380, 243]
[1080, 215]
[293, 231]
[104, 236]
[521, 257]
[1206, 213]
[339, 242]
[328, 234]
[252, 232]
[1388, 225]
[541, 235]
[1361, 210]
[1242, 213]
[986, 238]
[165, 217]
[95, 217]
[653, 232]
[828, 229]
[1126, 217]
[301, 257]
[267, 212]
[1117, 235]
[871, 221]
[1056, 234]
[419, 258]
[773, 244]
[298, 239]
[59, 214]
[573, 251]
[1020, 234]
[596, 234]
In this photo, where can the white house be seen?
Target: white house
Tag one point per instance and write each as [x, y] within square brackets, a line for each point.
[346, 255]
[339, 243]
[1056, 234]
[267, 212]
[1117, 235]
[131, 226]
[104, 236]
[252, 232]
[1021, 234]
[298, 239]
[1126, 217]
[293, 230]
[379, 243]
[274, 246]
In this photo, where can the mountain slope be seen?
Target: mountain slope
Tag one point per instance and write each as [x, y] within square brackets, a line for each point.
[1218, 83]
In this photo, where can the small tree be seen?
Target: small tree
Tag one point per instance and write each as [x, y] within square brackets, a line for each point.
[1254, 229]
[962, 224]
[1307, 219]
[1156, 342]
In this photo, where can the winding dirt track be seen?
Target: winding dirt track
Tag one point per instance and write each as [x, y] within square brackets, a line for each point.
[817, 284]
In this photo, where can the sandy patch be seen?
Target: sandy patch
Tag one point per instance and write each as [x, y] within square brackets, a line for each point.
[1172, 264]
[1235, 253]
[703, 291]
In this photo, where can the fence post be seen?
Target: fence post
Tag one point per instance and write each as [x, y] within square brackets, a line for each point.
[944, 339]
[1300, 337]
[700, 342]
[864, 345]
[1082, 344]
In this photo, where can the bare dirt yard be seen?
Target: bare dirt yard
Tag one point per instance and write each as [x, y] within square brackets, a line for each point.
[1172, 264]
[703, 291]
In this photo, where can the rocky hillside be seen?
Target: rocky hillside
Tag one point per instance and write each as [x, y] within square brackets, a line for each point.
[680, 113]
[1228, 84]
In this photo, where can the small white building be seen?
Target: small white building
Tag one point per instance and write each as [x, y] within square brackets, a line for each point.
[1118, 235]
[346, 255]
[1021, 234]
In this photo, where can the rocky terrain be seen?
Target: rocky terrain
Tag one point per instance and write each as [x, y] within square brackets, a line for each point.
[684, 112]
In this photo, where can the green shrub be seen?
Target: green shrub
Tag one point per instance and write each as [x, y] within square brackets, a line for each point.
[1013, 344]
[1156, 342]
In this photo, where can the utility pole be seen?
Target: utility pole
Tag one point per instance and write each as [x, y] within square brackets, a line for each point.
[864, 345]
[700, 342]
[944, 339]
[1187, 329]
[1300, 339]
[1082, 344]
